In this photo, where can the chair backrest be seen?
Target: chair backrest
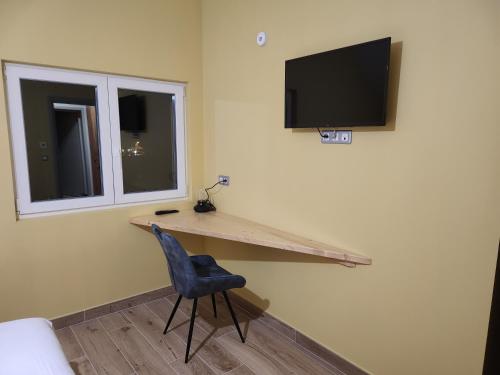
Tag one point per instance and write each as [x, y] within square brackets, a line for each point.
[180, 267]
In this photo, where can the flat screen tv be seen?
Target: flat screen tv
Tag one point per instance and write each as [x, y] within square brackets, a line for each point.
[344, 87]
[132, 110]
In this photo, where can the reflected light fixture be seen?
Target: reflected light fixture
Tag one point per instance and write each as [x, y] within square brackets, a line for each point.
[135, 150]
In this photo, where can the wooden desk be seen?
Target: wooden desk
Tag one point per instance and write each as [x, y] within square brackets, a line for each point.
[228, 227]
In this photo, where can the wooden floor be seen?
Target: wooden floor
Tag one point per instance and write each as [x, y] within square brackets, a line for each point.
[131, 342]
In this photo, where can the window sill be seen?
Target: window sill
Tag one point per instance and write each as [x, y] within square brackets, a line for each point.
[101, 208]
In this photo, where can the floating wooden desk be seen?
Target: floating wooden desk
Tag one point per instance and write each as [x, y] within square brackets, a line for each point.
[228, 227]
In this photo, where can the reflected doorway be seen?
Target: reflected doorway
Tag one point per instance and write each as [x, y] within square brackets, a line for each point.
[77, 152]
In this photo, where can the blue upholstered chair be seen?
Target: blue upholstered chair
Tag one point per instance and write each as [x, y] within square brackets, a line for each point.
[194, 277]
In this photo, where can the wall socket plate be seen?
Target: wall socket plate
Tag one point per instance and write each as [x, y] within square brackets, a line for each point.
[337, 136]
[224, 180]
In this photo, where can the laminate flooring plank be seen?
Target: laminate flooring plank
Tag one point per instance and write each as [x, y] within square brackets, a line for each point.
[284, 351]
[194, 367]
[242, 370]
[82, 366]
[144, 359]
[257, 358]
[202, 344]
[134, 346]
[114, 321]
[215, 355]
[70, 346]
[100, 350]
[171, 347]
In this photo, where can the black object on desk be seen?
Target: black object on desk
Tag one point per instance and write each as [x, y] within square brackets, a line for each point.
[165, 212]
[204, 205]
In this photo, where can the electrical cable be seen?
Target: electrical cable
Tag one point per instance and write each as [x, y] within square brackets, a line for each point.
[211, 187]
[322, 135]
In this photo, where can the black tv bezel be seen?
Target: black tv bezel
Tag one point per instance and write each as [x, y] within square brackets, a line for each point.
[382, 121]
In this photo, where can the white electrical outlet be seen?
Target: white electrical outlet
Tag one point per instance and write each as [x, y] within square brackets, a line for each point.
[337, 136]
[224, 180]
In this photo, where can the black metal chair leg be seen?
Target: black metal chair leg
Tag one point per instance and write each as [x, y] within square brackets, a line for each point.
[213, 304]
[191, 325]
[172, 314]
[233, 316]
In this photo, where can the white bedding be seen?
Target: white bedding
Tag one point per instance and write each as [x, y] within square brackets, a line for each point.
[30, 347]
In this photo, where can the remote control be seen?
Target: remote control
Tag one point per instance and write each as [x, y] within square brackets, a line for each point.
[164, 212]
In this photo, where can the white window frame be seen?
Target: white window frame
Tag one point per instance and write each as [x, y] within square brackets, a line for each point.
[15, 73]
[115, 83]
[109, 138]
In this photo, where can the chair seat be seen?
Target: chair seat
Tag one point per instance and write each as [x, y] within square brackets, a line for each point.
[205, 266]
[212, 277]
[211, 271]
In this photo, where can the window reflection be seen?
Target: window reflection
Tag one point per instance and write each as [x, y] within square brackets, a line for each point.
[62, 140]
[147, 131]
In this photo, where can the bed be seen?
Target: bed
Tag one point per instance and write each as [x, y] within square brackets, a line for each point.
[30, 347]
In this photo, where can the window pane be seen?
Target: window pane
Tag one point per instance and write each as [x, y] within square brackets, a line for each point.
[147, 131]
[62, 140]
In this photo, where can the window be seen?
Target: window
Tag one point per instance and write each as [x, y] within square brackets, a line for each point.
[84, 140]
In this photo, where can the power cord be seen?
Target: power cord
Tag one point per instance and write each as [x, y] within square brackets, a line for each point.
[321, 134]
[211, 187]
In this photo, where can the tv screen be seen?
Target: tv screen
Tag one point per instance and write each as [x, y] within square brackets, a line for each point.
[132, 112]
[340, 88]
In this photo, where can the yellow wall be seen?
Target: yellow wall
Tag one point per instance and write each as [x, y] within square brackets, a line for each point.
[57, 265]
[425, 208]
[422, 198]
